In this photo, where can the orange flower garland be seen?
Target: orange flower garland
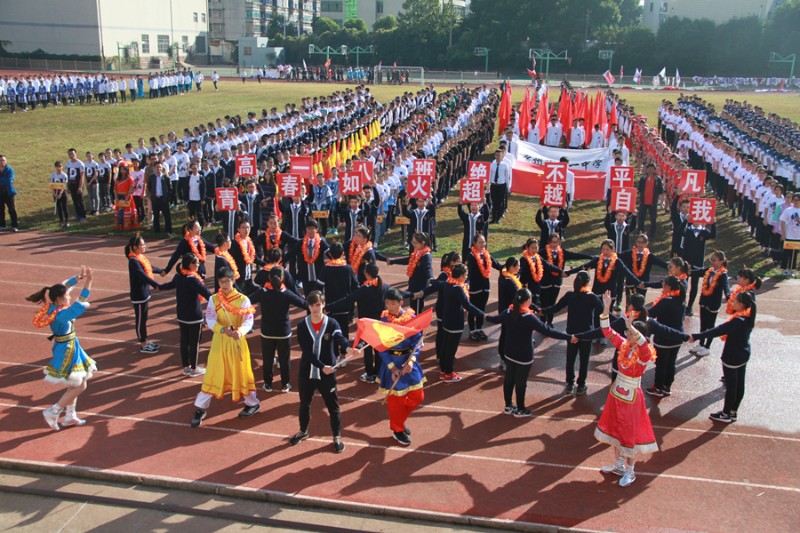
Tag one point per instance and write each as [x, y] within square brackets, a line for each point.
[268, 285]
[744, 313]
[523, 310]
[407, 315]
[448, 271]
[666, 293]
[357, 253]
[226, 302]
[268, 242]
[229, 258]
[585, 289]
[198, 249]
[628, 355]
[603, 275]
[483, 260]
[535, 265]
[145, 262]
[512, 277]
[336, 262]
[415, 258]
[550, 257]
[462, 284]
[735, 293]
[312, 259]
[708, 288]
[248, 249]
[190, 274]
[42, 318]
[639, 268]
[370, 283]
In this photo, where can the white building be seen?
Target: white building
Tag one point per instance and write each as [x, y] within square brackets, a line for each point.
[106, 28]
[371, 10]
[655, 12]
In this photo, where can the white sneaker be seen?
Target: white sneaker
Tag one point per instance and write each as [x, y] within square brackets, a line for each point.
[627, 478]
[51, 417]
[702, 352]
[196, 372]
[618, 468]
[696, 346]
[73, 420]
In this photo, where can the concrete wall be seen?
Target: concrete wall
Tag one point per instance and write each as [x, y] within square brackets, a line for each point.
[655, 12]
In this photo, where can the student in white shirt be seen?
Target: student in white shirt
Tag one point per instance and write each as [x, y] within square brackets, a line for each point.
[790, 231]
[554, 132]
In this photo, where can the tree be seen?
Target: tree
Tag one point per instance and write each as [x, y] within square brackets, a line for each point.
[385, 23]
[357, 25]
[324, 24]
[425, 26]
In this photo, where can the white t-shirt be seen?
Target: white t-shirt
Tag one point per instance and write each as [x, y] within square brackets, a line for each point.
[791, 217]
[138, 182]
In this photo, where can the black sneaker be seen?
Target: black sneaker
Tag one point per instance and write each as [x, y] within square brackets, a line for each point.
[407, 431]
[581, 390]
[569, 389]
[666, 391]
[198, 418]
[299, 436]
[267, 388]
[249, 410]
[286, 388]
[733, 417]
[723, 417]
[482, 336]
[338, 444]
[522, 413]
[510, 409]
[402, 438]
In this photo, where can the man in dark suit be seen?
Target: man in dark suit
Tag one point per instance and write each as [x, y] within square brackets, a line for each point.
[252, 200]
[650, 188]
[476, 221]
[158, 187]
[295, 213]
[679, 212]
[619, 226]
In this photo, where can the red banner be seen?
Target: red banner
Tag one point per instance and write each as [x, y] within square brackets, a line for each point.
[424, 167]
[554, 194]
[692, 181]
[621, 176]
[472, 190]
[528, 178]
[227, 198]
[350, 183]
[367, 170]
[302, 166]
[623, 199]
[479, 170]
[289, 185]
[555, 172]
[383, 335]
[418, 186]
[246, 165]
[702, 211]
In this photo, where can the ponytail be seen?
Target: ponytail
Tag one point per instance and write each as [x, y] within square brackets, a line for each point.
[674, 284]
[134, 241]
[52, 294]
[750, 275]
[522, 296]
[39, 296]
[276, 278]
[749, 302]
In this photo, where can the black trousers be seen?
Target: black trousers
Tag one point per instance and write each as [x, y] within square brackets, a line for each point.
[62, 209]
[707, 321]
[650, 211]
[77, 201]
[447, 348]
[138, 201]
[734, 388]
[196, 211]
[372, 361]
[326, 386]
[7, 202]
[161, 207]
[694, 285]
[498, 193]
[584, 348]
[665, 367]
[548, 297]
[268, 349]
[516, 380]
[190, 343]
[140, 313]
[789, 259]
[479, 300]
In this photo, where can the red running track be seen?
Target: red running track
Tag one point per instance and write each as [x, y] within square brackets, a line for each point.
[466, 458]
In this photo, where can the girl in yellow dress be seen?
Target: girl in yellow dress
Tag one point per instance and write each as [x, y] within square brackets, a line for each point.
[230, 316]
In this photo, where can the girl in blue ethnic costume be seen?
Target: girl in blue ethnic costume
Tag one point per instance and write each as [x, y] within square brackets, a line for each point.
[70, 364]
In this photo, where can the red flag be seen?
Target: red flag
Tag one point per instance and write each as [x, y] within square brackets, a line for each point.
[504, 112]
[328, 63]
[384, 335]
[531, 73]
[612, 117]
[524, 115]
[609, 77]
[541, 116]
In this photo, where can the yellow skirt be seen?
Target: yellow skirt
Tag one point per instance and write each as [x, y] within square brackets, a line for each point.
[228, 368]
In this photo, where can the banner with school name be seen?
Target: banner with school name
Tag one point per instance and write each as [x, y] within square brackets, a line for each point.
[593, 160]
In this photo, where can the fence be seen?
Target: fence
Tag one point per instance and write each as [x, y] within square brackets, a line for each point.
[18, 63]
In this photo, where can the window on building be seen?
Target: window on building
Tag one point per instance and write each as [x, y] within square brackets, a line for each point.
[163, 44]
[202, 17]
[332, 5]
[185, 40]
[145, 43]
[248, 50]
[379, 6]
[194, 16]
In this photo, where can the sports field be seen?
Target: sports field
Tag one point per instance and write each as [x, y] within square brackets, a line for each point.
[42, 136]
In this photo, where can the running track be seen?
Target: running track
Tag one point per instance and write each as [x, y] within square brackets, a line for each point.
[466, 458]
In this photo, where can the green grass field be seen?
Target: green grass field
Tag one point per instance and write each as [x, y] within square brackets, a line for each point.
[34, 140]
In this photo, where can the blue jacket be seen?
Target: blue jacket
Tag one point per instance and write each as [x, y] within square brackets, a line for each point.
[7, 181]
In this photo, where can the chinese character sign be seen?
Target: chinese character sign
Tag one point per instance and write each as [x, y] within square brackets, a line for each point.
[350, 183]
[366, 168]
[479, 170]
[424, 167]
[301, 166]
[472, 190]
[693, 181]
[554, 194]
[289, 185]
[702, 211]
[623, 199]
[246, 165]
[227, 198]
[621, 176]
[419, 186]
[555, 172]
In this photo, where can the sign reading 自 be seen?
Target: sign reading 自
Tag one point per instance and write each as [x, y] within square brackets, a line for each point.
[623, 199]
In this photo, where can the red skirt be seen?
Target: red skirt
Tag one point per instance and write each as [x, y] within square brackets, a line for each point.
[626, 425]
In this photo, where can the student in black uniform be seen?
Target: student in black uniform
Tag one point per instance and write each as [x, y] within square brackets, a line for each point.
[693, 251]
[640, 261]
[508, 284]
[295, 212]
[475, 221]
[555, 254]
[713, 286]
[360, 252]
[420, 268]
[276, 330]
[189, 290]
[551, 220]
[309, 252]
[583, 311]
[479, 265]
[273, 259]
[619, 229]
[679, 216]
[243, 251]
[735, 354]
[320, 339]
[274, 237]
[140, 275]
[223, 258]
[534, 270]
[608, 271]
[422, 214]
[370, 299]
[339, 281]
[520, 323]
[668, 309]
[193, 243]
